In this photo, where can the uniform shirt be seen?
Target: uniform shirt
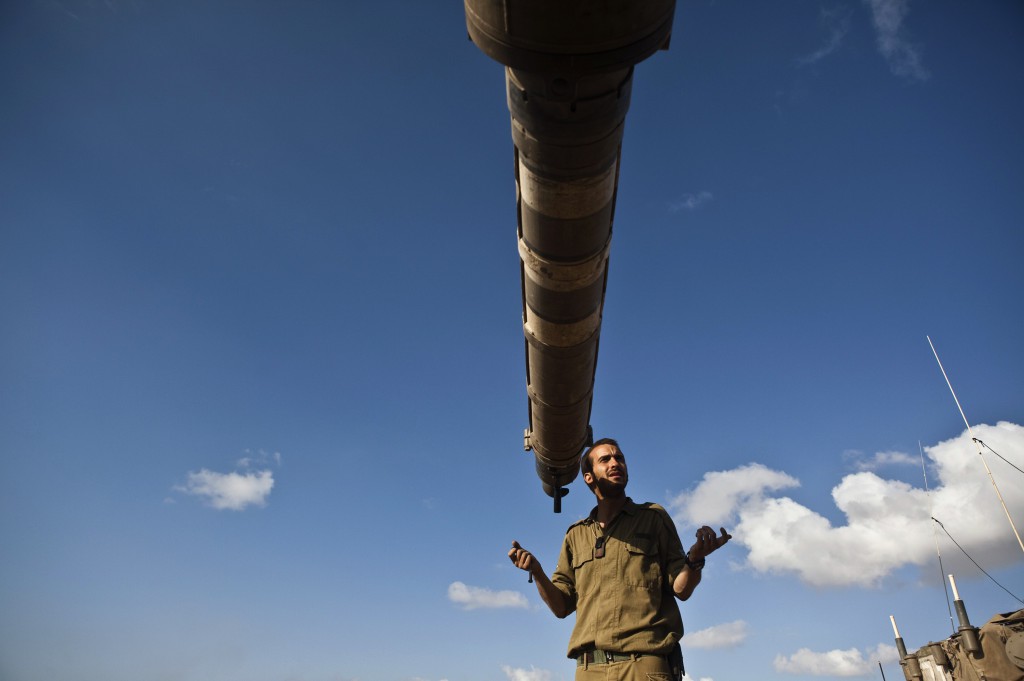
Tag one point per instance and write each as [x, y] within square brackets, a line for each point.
[623, 600]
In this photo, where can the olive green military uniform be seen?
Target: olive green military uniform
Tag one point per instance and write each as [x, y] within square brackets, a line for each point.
[619, 580]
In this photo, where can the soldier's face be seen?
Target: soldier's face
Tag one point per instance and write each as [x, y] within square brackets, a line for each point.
[610, 473]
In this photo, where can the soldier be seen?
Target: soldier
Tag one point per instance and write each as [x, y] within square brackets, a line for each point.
[621, 569]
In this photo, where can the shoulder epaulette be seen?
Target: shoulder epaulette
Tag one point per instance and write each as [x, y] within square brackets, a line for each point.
[576, 524]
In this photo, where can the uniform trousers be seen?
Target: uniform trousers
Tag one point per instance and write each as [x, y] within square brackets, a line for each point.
[642, 668]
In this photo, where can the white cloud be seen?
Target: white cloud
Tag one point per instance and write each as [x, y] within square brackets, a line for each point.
[473, 597]
[687, 677]
[231, 491]
[849, 662]
[904, 59]
[728, 635]
[887, 520]
[720, 493]
[531, 674]
[691, 201]
[837, 23]
[880, 459]
[260, 458]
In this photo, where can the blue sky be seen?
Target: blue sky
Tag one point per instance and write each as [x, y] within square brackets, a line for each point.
[262, 354]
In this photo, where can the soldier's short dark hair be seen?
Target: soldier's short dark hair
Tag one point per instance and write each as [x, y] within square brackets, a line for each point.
[586, 465]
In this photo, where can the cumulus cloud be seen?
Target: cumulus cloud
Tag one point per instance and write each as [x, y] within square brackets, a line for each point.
[720, 493]
[473, 597]
[531, 674]
[231, 491]
[890, 518]
[687, 677]
[728, 635]
[904, 59]
[691, 201]
[849, 662]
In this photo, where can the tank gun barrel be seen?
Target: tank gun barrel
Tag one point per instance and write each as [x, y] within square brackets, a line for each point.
[569, 76]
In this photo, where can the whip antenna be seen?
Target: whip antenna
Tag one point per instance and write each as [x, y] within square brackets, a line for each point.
[935, 536]
[976, 441]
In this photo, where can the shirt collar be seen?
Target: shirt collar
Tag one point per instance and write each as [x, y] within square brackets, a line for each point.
[629, 507]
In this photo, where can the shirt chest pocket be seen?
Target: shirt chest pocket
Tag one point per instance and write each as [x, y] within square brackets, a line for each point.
[583, 567]
[641, 564]
[580, 558]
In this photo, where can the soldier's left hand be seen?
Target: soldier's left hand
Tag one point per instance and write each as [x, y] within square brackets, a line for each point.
[707, 542]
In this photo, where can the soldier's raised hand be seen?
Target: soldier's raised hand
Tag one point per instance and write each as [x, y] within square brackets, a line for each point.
[523, 559]
[707, 542]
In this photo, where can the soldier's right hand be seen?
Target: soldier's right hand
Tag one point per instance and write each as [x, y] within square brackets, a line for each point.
[522, 558]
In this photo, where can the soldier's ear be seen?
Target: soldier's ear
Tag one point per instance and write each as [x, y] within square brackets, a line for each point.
[588, 478]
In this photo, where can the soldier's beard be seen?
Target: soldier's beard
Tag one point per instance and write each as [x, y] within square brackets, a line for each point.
[610, 489]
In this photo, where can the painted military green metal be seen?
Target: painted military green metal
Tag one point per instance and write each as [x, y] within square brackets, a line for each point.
[569, 75]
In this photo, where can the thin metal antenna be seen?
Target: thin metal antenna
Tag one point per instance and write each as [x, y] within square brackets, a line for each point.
[935, 536]
[881, 670]
[975, 440]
